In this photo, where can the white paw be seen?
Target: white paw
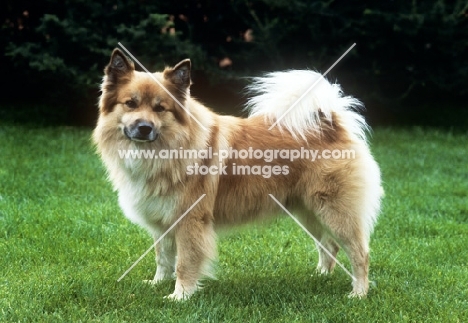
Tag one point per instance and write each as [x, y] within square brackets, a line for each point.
[323, 271]
[153, 282]
[182, 292]
[360, 289]
[177, 297]
[359, 294]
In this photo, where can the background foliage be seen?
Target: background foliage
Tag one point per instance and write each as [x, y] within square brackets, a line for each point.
[409, 65]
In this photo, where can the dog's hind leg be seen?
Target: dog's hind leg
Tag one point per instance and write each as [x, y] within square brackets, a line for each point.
[347, 202]
[348, 231]
[326, 262]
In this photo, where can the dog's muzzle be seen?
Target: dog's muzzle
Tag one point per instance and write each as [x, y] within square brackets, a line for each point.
[141, 131]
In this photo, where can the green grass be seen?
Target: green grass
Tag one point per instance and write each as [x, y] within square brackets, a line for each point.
[64, 242]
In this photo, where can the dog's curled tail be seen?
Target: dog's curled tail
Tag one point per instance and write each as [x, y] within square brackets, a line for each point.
[304, 102]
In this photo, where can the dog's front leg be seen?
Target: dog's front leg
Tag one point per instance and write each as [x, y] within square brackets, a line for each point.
[196, 248]
[165, 258]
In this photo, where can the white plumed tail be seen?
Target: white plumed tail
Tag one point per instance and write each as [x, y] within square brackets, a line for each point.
[277, 92]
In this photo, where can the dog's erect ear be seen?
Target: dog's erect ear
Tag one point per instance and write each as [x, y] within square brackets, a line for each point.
[179, 74]
[119, 65]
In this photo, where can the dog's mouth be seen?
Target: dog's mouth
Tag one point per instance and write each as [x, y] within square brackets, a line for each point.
[141, 131]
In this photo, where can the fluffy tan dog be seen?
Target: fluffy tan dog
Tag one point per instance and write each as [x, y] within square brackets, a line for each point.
[333, 186]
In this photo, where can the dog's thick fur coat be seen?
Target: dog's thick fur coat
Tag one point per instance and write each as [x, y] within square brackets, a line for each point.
[337, 200]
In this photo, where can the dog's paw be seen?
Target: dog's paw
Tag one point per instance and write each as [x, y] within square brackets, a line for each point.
[182, 292]
[152, 282]
[359, 294]
[360, 289]
[323, 271]
[177, 297]
[159, 278]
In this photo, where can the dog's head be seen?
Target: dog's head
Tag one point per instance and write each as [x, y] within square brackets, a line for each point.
[144, 107]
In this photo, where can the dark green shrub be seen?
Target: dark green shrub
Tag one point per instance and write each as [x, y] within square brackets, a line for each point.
[408, 53]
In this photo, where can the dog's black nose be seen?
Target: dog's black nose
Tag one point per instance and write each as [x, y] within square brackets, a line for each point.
[144, 129]
[141, 130]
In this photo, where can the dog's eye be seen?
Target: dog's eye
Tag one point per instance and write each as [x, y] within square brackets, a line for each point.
[131, 104]
[158, 108]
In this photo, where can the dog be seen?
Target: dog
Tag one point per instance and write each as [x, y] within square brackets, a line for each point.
[336, 199]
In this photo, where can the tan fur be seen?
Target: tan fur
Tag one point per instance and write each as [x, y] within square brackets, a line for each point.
[330, 196]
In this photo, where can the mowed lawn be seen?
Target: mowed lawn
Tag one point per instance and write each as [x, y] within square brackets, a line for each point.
[64, 243]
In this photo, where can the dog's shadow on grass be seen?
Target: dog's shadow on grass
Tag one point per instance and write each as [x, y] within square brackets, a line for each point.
[287, 288]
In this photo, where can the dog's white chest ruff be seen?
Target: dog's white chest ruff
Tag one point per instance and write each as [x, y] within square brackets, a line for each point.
[147, 211]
